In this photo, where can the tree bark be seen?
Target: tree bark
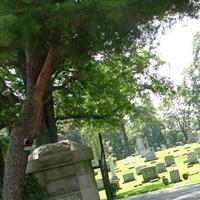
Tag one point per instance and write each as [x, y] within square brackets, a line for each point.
[15, 165]
[48, 130]
[1, 167]
[126, 143]
[38, 76]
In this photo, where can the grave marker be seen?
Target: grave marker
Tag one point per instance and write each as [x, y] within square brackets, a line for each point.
[175, 176]
[150, 156]
[160, 167]
[149, 173]
[192, 158]
[100, 184]
[169, 160]
[197, 150]
[139, 169]
[128, 177]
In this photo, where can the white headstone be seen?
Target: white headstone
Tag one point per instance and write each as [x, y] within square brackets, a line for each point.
[112, 167]
[175, 176]
[192, 158]
[197, 151]
[100, 184]
[169, 160]
[142, 145]
[150, 156]
[160, 167]
[149, 173]
[128, 177]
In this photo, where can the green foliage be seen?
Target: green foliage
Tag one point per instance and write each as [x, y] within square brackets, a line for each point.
[147, 122]
[185, 176]
[82, 30]
[114, 188]
[32, 189]
[165, 181]
[4, 140]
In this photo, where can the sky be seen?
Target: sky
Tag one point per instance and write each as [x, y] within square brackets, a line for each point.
[176, 48]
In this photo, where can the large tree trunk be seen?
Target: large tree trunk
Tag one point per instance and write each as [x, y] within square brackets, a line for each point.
[38, 76]
[48, 130]
[15, 165]
[1, 167]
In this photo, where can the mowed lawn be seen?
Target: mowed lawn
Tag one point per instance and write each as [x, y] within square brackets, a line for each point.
[136, 187]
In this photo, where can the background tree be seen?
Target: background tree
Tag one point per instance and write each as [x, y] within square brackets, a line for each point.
[192, 82]
[178, 116]
[149, 123]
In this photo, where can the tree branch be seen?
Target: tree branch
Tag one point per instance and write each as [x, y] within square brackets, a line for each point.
[45, 74]
[86, 116]
[72, 79]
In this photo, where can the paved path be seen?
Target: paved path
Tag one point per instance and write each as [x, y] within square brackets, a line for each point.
[188, 192]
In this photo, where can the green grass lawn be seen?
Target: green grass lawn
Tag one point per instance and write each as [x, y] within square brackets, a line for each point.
[136, 186]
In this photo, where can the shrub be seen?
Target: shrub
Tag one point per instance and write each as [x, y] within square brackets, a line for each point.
[32, 189]
[185, 176]
[165, 181]
[114, 187]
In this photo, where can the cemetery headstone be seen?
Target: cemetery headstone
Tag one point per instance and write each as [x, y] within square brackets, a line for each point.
[142, 145]
[128, 177]
[160, 167]
[150, 156]
[198, 134]
[149, 173]
[175, 176]
[100, 184]
[192, 158]
[169, 160]
[112, 168]
[139, 169]
[64, 169]
[197, 150]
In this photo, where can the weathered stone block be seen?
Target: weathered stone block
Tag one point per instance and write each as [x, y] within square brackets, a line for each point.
[100, 184]
[65, 170]
[160, 167]
[175, 176]
[62, 186]
[169, 160]
[192, 158]
[139, 169]
[150, 156]
[149, 173]
[128, 177]
[197, 151]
